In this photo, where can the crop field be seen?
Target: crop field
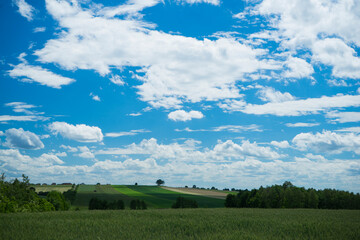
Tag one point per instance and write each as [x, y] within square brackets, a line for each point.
[184, 224]
[104, 192]
[202, 192]
[49, 188]
[158, 197]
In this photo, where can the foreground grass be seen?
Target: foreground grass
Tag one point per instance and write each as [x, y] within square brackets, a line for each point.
[184, 224]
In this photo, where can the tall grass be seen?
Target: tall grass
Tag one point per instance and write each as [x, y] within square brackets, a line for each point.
[184, 224]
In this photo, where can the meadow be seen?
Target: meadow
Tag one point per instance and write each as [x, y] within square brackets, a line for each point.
[210, 223]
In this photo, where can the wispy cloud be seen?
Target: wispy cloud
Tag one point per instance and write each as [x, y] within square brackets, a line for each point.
[129, 133]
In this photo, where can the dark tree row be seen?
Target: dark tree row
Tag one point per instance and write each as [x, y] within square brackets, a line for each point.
[184, 203]
[98, 204]
[138, 204]
[290, 196]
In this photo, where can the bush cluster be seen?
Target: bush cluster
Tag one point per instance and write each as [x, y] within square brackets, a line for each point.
[184, 203]
[98, 204]
[290, 196]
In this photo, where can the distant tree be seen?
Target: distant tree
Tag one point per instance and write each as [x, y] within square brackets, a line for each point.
[136, 184]
[194, 186]
[186, 186]
[160, 182]
[230, 201]
[213, 188]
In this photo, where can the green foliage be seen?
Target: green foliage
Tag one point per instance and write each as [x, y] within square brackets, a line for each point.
[58, 200]
[70, 195]
[182, 202]
[17, 196]
[290, 196]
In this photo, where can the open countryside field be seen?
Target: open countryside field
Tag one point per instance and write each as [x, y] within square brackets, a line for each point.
[49, 188]
[158, 197]
[103, 192]
[184, 224]
[201, 192]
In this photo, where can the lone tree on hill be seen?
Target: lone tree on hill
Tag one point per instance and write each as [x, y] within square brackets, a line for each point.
[160, 182]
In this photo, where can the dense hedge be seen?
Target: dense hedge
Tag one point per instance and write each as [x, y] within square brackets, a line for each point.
[290, 196]
[98, 204]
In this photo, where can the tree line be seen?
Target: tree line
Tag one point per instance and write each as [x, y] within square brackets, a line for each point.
[290, 196]
[18, 196]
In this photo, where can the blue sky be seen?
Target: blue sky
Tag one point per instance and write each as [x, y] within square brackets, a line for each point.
[222, 93]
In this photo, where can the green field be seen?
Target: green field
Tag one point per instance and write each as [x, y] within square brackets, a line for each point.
[157, 197]
[49, 188]
[104, 192]
[184, 224]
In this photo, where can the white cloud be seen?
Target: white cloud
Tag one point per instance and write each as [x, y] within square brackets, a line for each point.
[25, 9]
[39, 29]
[38, 74]
[302, 124]
[181, 115]
[343, 117]
[69, 148]
[282, 144]
[337, 83]
[172, 68]
[21, 107]
[48, 159]
[131, 7]
[6, 118]
[130, 133]
[116, 79]
[298, 68]
[78, 132]
[95, 97]
[269, 94]
[18, 138]
[328, 142]
[335, 52]
[295, 107]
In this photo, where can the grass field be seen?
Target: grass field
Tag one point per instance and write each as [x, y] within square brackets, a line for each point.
[157, 197]
[184, 224]
[104, 192]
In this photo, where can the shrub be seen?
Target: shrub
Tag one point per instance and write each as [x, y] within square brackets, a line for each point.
[184, 203]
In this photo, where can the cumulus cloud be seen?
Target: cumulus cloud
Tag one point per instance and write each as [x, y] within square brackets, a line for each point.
[298, 68]
[18, 138]
[328, 142]
[95, 97]
[172, 67]
[25, 9]
[116, 79]
[29, 73]
[323, 27]
[294, 107]
[78, 132]
[181, 115]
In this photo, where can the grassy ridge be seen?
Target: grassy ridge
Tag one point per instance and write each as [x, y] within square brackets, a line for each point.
[157, 197]
[104, 192]
[184, 224]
